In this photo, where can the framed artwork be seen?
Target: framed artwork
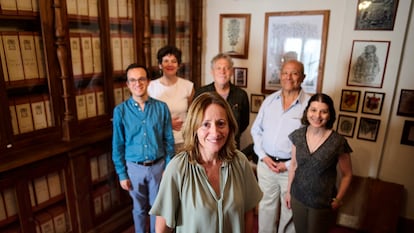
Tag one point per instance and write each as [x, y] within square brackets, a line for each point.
[406, 103]
[349, 100]
[346, 125]
[234, 34]
[256, 101]
[373, 102]
[407, 137]
[368, 129]
[367, 64]
[299, 35]
[240, 76]
[376, 15]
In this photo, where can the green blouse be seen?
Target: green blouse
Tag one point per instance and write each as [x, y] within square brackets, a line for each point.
[188, 202]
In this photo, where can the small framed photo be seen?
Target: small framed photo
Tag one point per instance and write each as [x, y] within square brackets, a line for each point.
[368, 63]
[376, 15]
[406, 103]
[350, 100]
[240, 76]
[256, 101]
[368, 129]
[346, 125]
[407, 137]
[373, 102]
[234, 34]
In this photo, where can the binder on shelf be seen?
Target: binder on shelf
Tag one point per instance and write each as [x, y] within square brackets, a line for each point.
[45, 222]
[82, 7]
[32, 194]
[75, 48]
[13, 116]
[35, 6]
[96, 53]
[106, 198]
[100, 101]
[157, 42]
[48, 110]
[3, 61]
[116, 52]
[8, 7]
[113, 9]
[90, 103]
[28, 51]
[72, 7]
[164, 9]
[38, 112]
[39, 55]
[54, 183]
[41, 189]
[58, 214]
[93, 164]
[115, 196]
[24, 114]
[103, 165]
[81, 105]
[118, 93]
[24, 7]
[126, 93]
[10, 203]
[97, 202]
[122, 9]
[86, 51]
[93, 8]
[13, 56]
[3, 215]
[130, 9]
[127, 50]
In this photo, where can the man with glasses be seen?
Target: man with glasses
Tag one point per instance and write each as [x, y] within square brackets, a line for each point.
[142, 144]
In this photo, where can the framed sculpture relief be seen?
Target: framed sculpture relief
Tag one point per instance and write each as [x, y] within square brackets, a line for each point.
[368, 129]
[234, 34]
[255, 102]
[407, 137]
[373, 102]
[376, 15]
[406, 103]
[349, 100]
[368, 63]
[299, 35]
[346, 125]
[240, 76]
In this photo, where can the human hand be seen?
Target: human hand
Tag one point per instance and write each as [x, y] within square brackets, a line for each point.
[335, 204]
[177, 123]
[287, 200]
[126, 184]
[281, 167]
[270, 163]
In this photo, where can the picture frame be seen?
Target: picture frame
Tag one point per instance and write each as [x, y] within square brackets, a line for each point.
[406, 103]
[234, 35]
[368, 63]
[368, 129]
[240, 76]
[350, 100]
[376, 15]
[300, 35]
[256, 101]
[372, 103]
[346, 125]
[407, 137]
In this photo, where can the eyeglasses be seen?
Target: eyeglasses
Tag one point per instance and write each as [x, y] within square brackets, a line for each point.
[140, 80]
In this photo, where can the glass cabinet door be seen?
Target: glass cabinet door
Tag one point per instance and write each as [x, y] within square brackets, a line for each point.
[182, 35]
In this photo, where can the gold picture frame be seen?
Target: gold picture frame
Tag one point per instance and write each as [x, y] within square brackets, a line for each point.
[234, 35]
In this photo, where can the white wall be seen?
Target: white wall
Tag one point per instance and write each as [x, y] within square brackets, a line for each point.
[386, 158]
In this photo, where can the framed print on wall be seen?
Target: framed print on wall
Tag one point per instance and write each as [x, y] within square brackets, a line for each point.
[299, 35]
[406, 103]
[255, 102]
[349, 101]
[407, 137]
[367, 64]
[234, 35]
[376, 15]
[368, 129]
[240, 76]
[346, 125]
[373, 102]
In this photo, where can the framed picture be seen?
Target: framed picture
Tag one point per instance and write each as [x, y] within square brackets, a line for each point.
[256, 101]
[368, 129]
[368, 63]
[346, 125]
[376, 15]
[299, 35]
[406, 103]
[234, 34]
[372, 103]
[240, 76]
[407, 137]
[349, 100]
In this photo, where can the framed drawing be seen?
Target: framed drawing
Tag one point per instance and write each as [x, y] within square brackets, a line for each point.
[368, 129]
[349, 100]
[407, 137]
[240, 76]
[234, 34]
[299, 35]
[367, 64]
[376, 15]
[346, 125]
[406, 103]
[256, 101]
[373, 102]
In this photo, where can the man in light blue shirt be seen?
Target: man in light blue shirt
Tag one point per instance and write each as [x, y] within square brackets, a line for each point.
[279, 115]
[142, 144]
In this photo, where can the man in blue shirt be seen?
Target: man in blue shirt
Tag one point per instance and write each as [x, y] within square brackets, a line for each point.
[142, 144]
[279, 115]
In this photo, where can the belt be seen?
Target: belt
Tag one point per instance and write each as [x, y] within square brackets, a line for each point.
[278, 160]
[149, 163]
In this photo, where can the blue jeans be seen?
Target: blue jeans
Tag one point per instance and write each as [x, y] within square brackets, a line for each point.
[145, 184]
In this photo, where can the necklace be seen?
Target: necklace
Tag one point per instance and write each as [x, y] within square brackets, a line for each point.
[314, 140]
